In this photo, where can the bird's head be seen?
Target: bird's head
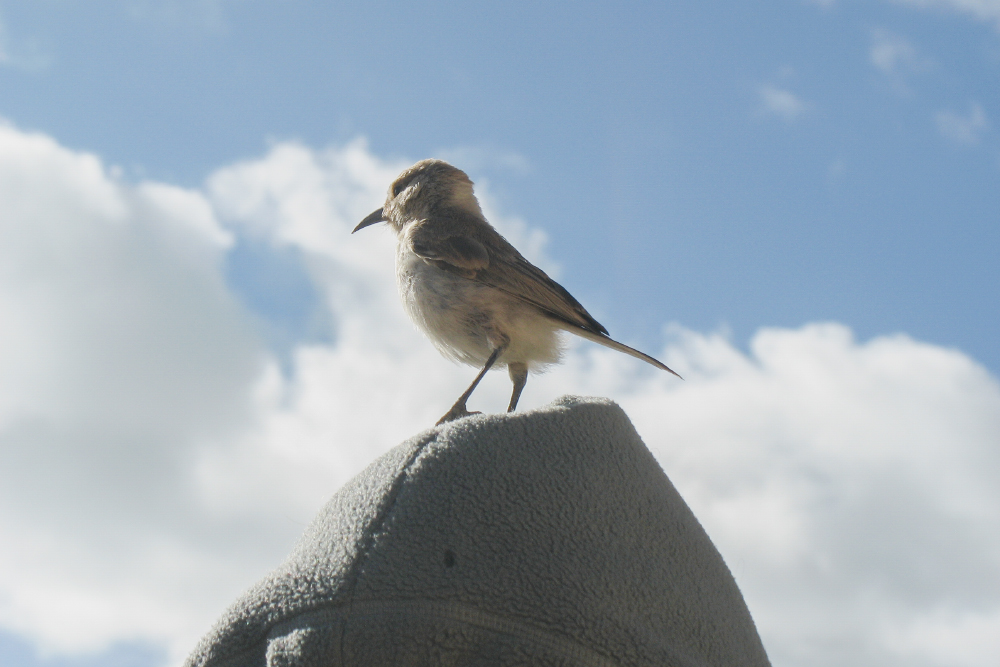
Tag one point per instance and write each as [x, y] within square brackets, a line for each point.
[426, 188]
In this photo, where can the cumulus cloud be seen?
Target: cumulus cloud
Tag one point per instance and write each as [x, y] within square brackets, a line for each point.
[852, 474]
[966, 129]
[156, 457]
[781, 102]
[122, 351]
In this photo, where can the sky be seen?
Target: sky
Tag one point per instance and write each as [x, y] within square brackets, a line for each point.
[793, 204]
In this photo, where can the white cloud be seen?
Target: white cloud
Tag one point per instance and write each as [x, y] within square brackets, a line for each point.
[476, 158]
[154, 460]
[965, 129]
[23, 54]
[200, 14]
[780, 102]
[123, 350]
[5, 57]
[892, 54]
[983, 10]
[852, 474]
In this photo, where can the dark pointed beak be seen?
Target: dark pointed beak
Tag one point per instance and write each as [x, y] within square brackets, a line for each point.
[370, 219]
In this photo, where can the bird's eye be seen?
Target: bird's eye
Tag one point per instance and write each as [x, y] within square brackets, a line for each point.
[398, 187]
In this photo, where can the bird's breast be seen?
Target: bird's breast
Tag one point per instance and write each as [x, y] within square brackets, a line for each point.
[465, 319]
[443, 306]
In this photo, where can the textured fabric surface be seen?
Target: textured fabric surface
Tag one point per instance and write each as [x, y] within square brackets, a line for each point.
[549, 537]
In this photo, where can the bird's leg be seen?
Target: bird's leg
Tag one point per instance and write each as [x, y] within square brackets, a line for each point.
[519, 376]
[459, 410]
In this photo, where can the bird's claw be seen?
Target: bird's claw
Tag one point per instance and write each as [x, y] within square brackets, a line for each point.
[456, 412]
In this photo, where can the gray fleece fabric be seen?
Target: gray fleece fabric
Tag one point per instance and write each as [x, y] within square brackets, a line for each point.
[548, 537]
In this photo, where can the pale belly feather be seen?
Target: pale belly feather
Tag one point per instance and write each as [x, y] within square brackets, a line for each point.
[466, 320]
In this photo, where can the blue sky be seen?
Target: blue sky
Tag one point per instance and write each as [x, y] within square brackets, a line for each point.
[695, 173]
[639, 136]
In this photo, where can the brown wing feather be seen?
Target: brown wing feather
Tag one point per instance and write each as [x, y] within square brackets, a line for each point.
[466, 245]
[459, 254]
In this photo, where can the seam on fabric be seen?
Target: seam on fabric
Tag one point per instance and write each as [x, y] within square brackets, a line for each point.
[354, 574]
[454, 611]
[267, 629]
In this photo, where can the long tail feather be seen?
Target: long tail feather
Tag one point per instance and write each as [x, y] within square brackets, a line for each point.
[621, 347]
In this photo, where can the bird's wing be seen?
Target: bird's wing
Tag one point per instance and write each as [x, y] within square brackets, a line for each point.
[471, 248]
[468, 246]
[460, 253]
[519, 277]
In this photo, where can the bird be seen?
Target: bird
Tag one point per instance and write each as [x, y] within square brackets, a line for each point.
[470, 291]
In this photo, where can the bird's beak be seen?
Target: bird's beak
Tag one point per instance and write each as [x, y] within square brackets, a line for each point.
[370, 219]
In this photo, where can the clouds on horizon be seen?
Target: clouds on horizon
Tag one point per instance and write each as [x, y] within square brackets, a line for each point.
[157, 457]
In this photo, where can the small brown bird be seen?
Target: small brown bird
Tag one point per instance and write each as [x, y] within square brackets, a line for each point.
[473, 294]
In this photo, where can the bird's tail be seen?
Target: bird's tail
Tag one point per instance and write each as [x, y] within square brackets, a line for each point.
[607, 341]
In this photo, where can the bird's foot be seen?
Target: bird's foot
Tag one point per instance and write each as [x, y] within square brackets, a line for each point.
[457, 412]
